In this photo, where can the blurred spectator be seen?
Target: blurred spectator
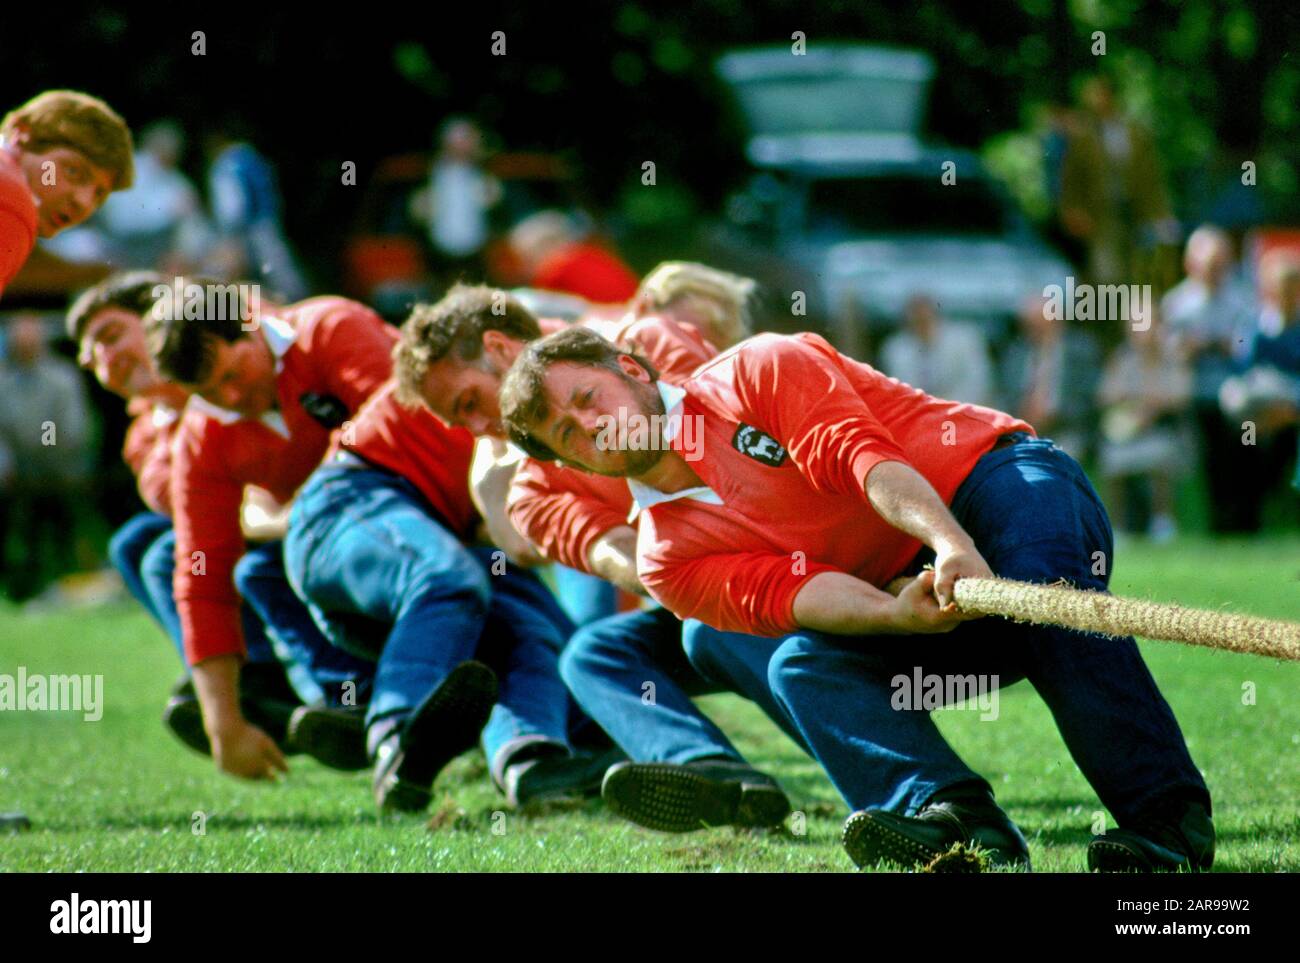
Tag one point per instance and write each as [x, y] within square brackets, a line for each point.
[460, 194]
[1207, 317]
[718, 303]
[246, 208]
[1049, 378]
[1265, 398]
[558, 256]
[1113, 196]
[1146, 441]
[159, 222]
[947, 359]
[1055, 124]
[44, 425]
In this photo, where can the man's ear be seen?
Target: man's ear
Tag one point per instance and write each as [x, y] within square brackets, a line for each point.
[500, 348]
[632, 368]
[18, 135]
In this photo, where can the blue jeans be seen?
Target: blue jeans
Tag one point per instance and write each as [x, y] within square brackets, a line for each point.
[630, 673]
[157, 565]
[1034, 516]
[126, 551]
[387, 580]
[584, 598]
[317, 670]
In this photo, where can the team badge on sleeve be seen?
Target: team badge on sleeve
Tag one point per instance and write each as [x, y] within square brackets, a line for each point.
[758, 446]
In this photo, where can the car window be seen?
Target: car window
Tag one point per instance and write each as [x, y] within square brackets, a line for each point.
[904, 205]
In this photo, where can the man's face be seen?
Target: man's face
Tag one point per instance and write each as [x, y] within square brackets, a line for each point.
[464, 393]
[68, 187]
[113, 347]
[242, 377]
[584, 401]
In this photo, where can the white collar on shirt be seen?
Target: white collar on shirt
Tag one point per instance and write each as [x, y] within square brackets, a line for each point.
[280, 337]
[645, 497]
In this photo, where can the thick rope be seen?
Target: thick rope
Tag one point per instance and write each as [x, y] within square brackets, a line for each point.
[1090, 611]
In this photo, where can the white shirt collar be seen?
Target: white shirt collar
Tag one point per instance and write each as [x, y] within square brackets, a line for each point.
[280, 337]
[645, 497]
[272, 419]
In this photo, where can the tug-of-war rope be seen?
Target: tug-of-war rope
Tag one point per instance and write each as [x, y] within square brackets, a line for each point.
[1090, 611]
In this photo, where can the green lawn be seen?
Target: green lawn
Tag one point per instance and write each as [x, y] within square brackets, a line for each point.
[120, 794]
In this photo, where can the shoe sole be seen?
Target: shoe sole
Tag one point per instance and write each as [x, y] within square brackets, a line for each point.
[869, 841]
[448, 723]
[335, 739]
[1107, 857]
[671, 799]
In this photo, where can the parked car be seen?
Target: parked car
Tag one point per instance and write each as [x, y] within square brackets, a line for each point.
[847, 202]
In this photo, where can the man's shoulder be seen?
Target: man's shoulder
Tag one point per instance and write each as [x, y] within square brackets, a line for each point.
[15, 194]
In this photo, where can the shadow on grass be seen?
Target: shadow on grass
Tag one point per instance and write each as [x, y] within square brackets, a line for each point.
[217, 824]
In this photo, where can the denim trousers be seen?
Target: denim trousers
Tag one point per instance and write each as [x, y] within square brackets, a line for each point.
[143, 551]
[388, 581]
[1034, 516]
[630, 673]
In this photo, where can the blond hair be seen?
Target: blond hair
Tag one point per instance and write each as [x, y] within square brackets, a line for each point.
[729, 297]
[69, 118]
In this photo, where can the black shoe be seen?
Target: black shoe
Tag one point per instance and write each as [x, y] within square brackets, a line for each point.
[1181, 841]
[702, 793]
[553, 777]
[873, 835]
[333, 736]
[184, 717]
[267, 680]
[447, 723]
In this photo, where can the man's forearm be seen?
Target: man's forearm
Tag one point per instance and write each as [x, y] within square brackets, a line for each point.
[216, 683]
[902, 497]
[613, 558]
[840, 604]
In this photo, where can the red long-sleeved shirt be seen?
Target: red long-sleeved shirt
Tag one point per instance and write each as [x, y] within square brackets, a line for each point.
[564, 511]
[416, 444]
[339, 348]
[147, 450]
[17, 219]
[790, 430]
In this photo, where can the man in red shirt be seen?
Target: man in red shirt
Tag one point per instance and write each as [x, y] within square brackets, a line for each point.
[61, 154]
[451, 359]
[782, 488]
[381, 548]
[105, 322]
[269, 386]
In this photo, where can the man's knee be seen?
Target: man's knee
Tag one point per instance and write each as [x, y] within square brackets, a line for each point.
[259, 562]
[465, 584]
[126, 549]
[789, 664]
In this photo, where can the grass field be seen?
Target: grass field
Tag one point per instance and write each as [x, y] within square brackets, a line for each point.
[120, 795]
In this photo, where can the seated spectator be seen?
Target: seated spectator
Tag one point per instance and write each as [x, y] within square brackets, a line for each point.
[1265, 397]
[1207, 316]
[1145, 429]
[557, 256]
[158, 222]
[1049, 378]
[718, 303]
[947, 359]
[44, 424]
